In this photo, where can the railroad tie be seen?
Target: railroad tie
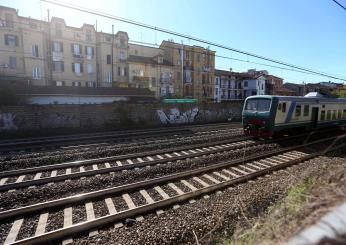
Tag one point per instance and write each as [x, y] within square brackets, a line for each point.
[261, 164]
[163, 194]
[186, 153]
[191, 187]
[221, 176]
[119, 163]
[140, 160]
[168, 155]
[159, 157]
[131, 205]
[204, 184]
[177, 154]
[3, 181]
[230, 173]
[42, 223]
[107, 165]
[253, 166]
[150, 158]
[90, 216]
[212, 179]
[12, 235]
[67, 222]
[111, 209]
[239, 170]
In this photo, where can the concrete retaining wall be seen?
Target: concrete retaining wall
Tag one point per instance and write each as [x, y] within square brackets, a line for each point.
[33, 117]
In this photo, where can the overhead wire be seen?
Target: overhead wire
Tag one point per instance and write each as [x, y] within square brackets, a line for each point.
[189, 37]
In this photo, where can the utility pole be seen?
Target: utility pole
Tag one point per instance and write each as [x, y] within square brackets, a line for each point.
[112, 55]
[50, 62]
[96, 57]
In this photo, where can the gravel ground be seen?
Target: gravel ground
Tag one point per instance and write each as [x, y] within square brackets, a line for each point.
[62, 189]
[208, 220]
[47, 158]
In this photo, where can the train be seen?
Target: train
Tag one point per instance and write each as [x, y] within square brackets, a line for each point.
[265, 116]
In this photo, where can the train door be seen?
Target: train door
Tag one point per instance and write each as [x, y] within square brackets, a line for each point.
[314, 117]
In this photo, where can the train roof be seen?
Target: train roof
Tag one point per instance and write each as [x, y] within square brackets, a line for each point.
[298, 98]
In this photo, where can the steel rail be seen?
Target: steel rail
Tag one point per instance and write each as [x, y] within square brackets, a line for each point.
[57, 178]
[113, 218]
[142, 184]
[112, 158]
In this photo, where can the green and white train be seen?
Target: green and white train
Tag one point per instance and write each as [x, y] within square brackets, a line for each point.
[265, 115]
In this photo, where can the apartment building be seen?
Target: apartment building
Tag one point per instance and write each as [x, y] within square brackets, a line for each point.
[194, 70]
[149, 69]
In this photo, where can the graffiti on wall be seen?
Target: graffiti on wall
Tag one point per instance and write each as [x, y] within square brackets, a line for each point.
[60, 120]
[7, 121]
[176, 117]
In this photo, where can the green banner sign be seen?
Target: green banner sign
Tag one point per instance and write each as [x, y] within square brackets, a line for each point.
[173, 101]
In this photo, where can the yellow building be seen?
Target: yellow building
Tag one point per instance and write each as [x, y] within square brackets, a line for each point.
[194, 70]
[149, 69]
[36, 52]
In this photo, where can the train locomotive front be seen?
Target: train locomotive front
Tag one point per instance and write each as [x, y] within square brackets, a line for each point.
[258, 116]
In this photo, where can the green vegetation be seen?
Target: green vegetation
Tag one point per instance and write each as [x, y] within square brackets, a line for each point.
[276, 218]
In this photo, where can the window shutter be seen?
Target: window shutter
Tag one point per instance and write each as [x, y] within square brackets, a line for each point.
[92, 51]
[80, 49]
[72, 51]
[72, 67]
[81, 67]
[62, 66]
[61, 47]
[52, 45]
[86, 50]
[36, 50]
[16, 40]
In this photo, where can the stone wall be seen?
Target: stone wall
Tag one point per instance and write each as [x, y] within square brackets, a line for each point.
[33, 117]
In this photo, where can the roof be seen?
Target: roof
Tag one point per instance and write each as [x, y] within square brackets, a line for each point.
[68, 90]
[298, 98]
[148, 60]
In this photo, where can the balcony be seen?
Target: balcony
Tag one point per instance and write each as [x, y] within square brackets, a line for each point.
[141, 79]
[79, 56]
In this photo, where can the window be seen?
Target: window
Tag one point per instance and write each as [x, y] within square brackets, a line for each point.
[59, 83]
[91, 84]
[119, 71]
[329, 115]
[339, 114]
[108, 39]
[88, 35]
[34, 50]
[58, 66]
[334, 114]
[90, 68]
[323, 115]
[245, 84]
[344, 114]
[125, 71]
[33, 25]
[109, 59]
[36, 73]
[76, 84]
[89, 51]
[76, 49]
[121, 55]
[13, 62]
[306, 110]
[11, 40]
[198, 58]
[57, 46]
[109, 77]
[260, 105]
[262, 86]
[122, 42]
[279, 107]
[9, 20]
[298, 110]
[77, 68]
[160, 60]
[216, 91]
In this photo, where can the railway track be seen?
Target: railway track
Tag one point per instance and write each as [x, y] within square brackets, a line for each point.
[46, 143]
[116, 204]
[31, 177]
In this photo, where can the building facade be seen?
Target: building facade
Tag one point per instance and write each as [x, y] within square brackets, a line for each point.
[194, 70]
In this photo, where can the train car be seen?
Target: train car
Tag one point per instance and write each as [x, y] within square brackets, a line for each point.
[265, 116]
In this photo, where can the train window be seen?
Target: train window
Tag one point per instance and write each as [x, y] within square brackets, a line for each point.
[298, 110]
[306, 110]
[323, 106]
[344, 115]
[279, 107]
[260, 105]
[339, 114]
[334, 114]
[323, 115]
[284, 107]
[329, 115]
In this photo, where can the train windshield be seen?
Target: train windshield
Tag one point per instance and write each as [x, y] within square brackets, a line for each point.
[260, 105]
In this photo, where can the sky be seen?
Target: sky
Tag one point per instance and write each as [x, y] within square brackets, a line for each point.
[306, 33]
